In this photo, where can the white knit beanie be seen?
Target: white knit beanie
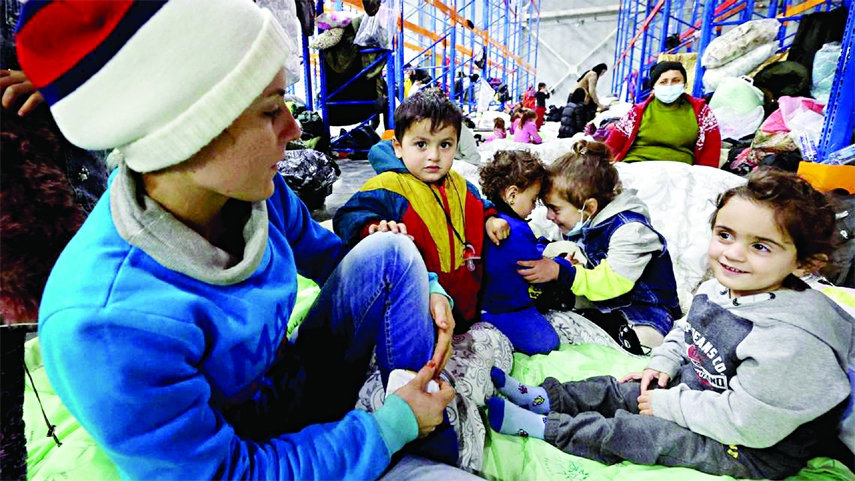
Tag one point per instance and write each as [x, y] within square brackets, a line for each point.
[157, 80]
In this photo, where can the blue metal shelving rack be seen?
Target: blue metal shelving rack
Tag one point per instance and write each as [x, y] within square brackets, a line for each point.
[442, 37]
[645, 25]
[839, 124]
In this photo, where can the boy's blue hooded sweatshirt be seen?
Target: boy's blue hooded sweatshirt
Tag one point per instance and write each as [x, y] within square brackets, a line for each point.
[149, 333]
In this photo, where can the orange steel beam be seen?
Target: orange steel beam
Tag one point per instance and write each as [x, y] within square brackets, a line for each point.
[729, 14]
[802, 7]
[724, 6]
[457, 18]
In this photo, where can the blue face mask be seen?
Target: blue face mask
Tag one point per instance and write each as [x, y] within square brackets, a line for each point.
[668, 94]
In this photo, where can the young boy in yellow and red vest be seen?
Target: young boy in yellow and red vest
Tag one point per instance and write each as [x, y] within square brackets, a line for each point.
[443, 213]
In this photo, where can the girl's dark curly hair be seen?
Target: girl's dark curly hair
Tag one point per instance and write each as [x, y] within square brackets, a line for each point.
[512, 167]
[801, 212]
[39, 213]
[586, 173]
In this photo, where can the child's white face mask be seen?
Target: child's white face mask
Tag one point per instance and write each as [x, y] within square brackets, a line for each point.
[577, 229]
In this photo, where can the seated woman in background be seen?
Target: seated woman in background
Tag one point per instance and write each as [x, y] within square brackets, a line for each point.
[573, 116]
[670, 125]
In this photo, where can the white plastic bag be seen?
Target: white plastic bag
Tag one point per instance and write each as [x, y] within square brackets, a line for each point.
[485, 96]
[735, 124]
[824, 68]
[285, 11]
[804, 124]
[738, 107]
[737, 42]
[738, 67]
[377, 31]
[806, 127]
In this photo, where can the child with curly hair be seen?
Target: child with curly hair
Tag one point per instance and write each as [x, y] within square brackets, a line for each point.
[513, 181]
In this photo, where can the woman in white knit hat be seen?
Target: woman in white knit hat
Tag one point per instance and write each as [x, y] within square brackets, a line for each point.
[163, 323]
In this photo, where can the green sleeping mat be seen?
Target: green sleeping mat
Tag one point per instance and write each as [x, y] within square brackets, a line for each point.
[514, 458]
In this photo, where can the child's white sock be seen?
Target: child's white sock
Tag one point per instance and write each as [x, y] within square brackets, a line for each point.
[507, 418]
[532, 398]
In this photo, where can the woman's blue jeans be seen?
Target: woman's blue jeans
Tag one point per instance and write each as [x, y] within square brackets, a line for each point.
[377, 298]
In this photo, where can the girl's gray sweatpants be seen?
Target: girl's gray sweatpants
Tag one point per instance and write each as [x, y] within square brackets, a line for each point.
[598, 419]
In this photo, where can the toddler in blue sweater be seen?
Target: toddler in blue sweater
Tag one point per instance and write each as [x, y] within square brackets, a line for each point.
[513, 181]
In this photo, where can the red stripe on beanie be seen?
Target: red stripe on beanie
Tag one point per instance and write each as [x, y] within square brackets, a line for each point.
[60, 34]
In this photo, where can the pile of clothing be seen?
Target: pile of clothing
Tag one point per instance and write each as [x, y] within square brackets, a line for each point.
[773, 114]
[307, 167]
[739, 51]
[342, 38]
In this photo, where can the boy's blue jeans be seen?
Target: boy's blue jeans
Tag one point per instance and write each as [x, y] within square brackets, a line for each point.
[376, 297]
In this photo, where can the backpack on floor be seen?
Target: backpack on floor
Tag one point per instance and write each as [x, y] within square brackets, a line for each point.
[311, 123]
[840, 270]
[554, 114]
[359, 140]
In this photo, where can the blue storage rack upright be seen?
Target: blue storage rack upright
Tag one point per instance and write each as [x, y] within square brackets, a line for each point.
[839, 124]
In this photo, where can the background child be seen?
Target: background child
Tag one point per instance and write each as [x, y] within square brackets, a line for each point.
[752, 384]
[526, 129]
[628, 281]
[513, 182]
[516, 113]
[540, 103]
[415, 186]
[499, 131]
